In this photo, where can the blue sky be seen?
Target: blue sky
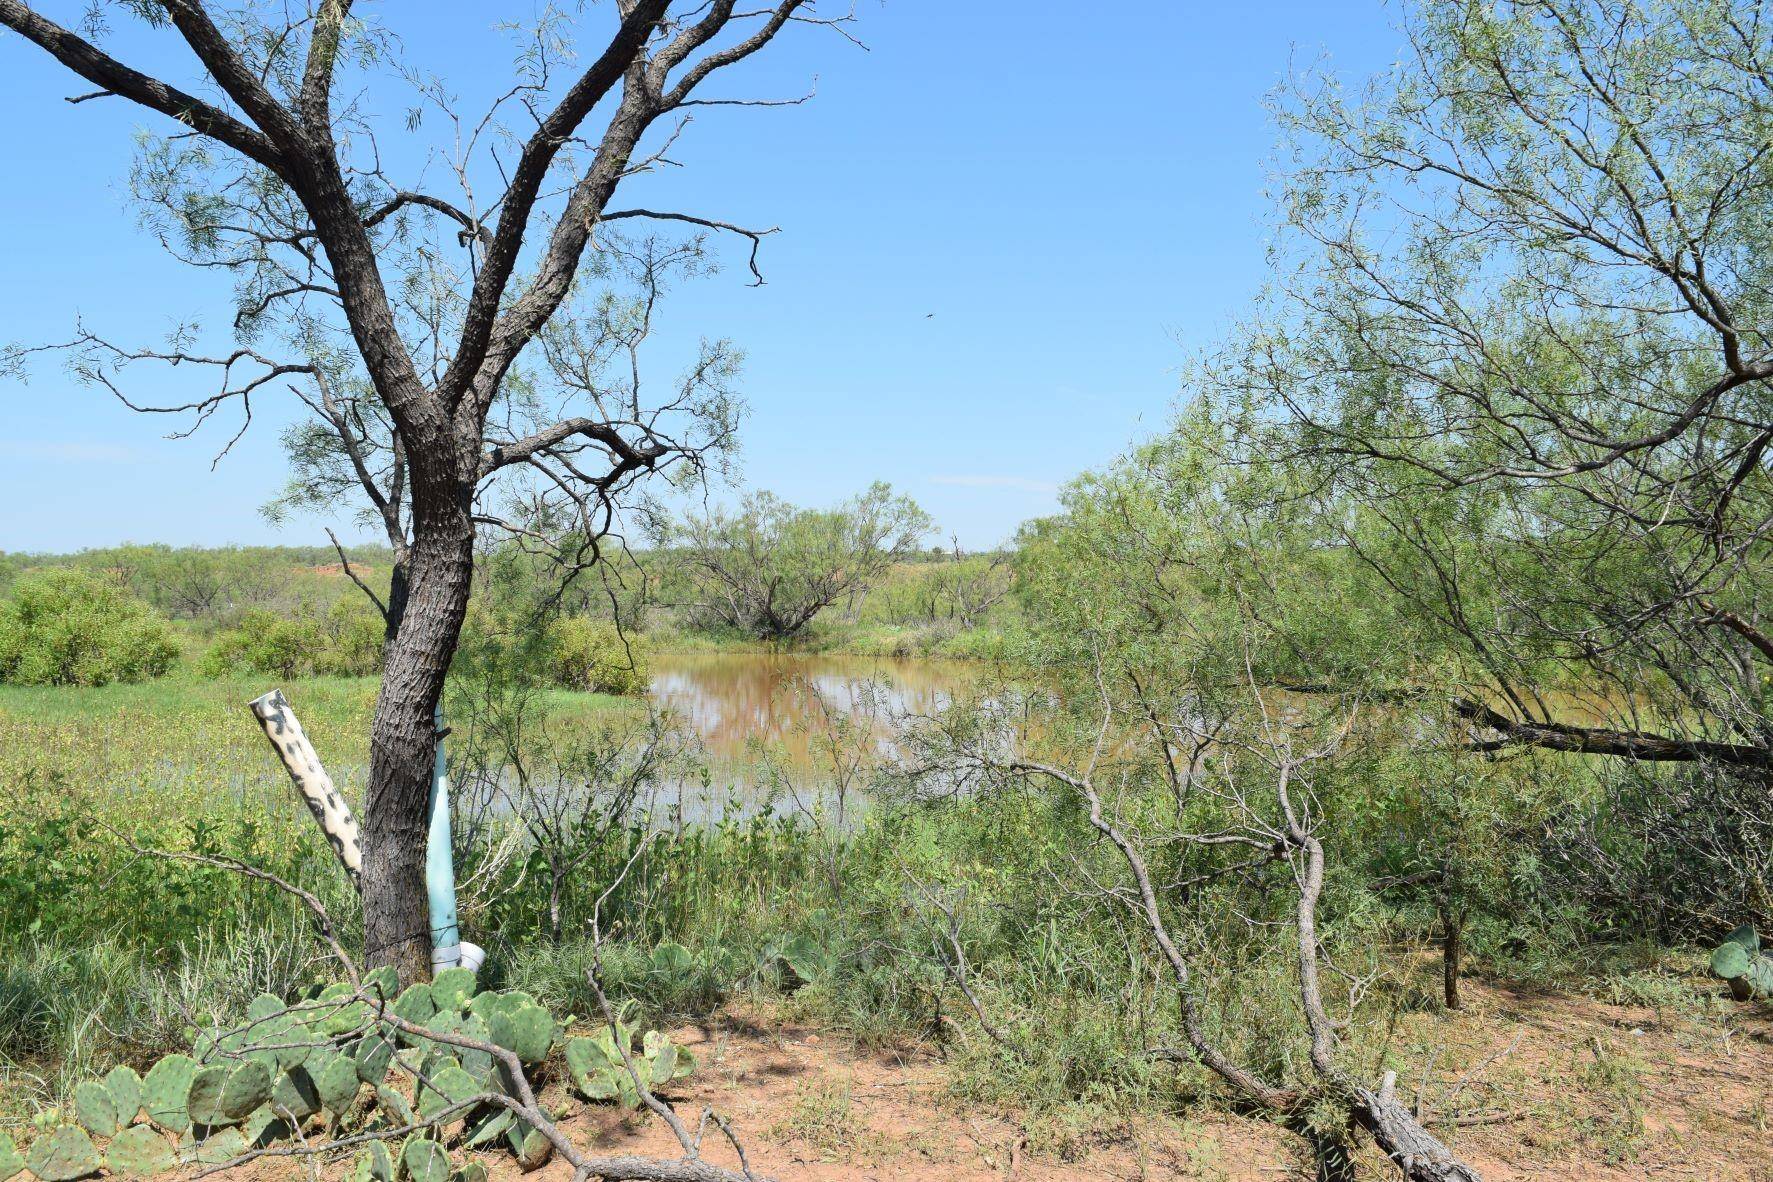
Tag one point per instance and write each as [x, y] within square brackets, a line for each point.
[1005, 228]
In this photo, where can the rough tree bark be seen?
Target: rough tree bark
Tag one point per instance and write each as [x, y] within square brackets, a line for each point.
[1452, 954]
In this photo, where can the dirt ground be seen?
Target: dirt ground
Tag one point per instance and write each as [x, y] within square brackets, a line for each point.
[1545, 1087]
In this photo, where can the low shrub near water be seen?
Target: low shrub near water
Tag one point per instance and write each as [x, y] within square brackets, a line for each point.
[64, 627]
[596, 656]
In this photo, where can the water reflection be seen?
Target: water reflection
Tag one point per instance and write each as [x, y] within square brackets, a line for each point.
[732, 701]
[767, 722]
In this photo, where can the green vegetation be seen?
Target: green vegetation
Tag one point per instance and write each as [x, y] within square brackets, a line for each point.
[62, 627]
[333, 1053]
[345, 642]
[765, 569]
[595, 655]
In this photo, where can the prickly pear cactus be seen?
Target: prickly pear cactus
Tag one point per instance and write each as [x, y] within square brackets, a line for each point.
[530, 1147]
[11, 1160]
[672, 961]
[226, 1093]
[1740, 961]
[62, 1155]
[489, 1128]
[256, 1084]
[140, 1151]
[665, 1060]
[415, 1005]
[809, 960]
[295, 1093]
[452, 989]
[125, 1087]
[165, 1089]
[525, 1030]
[425, 1161]
[373, 1164]
[449, 1086]
[95, 1109]
[597, 1069]
[373, 1056]
[221, 1146]
[335, 1078]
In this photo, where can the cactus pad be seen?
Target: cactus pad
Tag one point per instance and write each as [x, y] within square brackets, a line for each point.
[372, 1057]
[295, 1096]
[666, 1060]
[62, 1155]
[532, 1149]
[11, 1160]
[164, 1089]
[672, 960]
[125, 1087]
[415, 1004]
[425, 1161]
[452, 988]
[526, 1030]
[449, 1086]
[228, 1092]
[140, 1151]
[95, 1109]
[224, 1145]
[490, 1128]
[373, 1164]
[335, 1079]
[398, 1109]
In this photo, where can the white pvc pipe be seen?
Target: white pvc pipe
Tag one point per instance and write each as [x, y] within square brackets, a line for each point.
[310, 778]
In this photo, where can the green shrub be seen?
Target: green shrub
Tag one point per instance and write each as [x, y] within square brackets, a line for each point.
[63, 627]
[264, 642]
[352, 635]
[594, 655]
[345, 642]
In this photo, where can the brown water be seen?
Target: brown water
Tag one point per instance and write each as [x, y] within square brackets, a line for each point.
[735, 700]
[791, 715]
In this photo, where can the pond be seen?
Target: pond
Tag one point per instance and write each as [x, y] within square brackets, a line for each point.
[752, 712]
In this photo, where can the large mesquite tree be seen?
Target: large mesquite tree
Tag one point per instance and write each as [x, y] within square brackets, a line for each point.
[437, 324]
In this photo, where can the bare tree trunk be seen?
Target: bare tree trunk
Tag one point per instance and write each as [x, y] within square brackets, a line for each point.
[396, 918]
[1417, 1153]
[1452, 954]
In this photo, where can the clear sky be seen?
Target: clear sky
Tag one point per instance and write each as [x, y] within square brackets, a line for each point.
[1005, 227]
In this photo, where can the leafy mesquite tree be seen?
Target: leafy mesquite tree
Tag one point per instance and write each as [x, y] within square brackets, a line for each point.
[1525, 361]
[767, 568]
[445, 342]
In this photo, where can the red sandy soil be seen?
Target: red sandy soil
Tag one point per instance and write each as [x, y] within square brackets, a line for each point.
[1555, 1087]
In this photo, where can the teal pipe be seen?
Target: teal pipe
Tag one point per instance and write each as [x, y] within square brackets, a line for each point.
[447, 949]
